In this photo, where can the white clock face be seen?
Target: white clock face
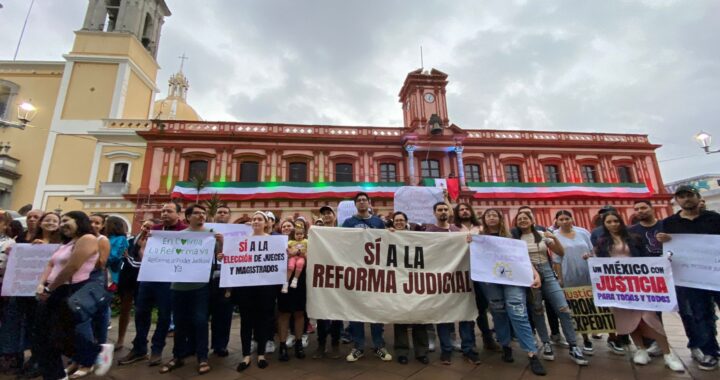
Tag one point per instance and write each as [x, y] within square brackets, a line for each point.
[429, 97]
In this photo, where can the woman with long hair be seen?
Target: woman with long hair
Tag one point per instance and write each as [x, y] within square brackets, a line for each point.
[617, 241]
[550, 289]
[48, 229]
[508, 303]
[68, 272]
[257, 308]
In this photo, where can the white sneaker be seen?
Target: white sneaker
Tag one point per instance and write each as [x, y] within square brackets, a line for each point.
[559, 340]
[641, 357]
[293, 284]
[431, 346]
[284, 288]
[305, 340]
[654, 350]
[672, 362]
[103, 362]
[253, 346]
[697, 354]
[270, 347]
[290, 340]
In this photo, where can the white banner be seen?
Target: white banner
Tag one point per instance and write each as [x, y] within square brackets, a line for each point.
[499, 260]
[255, 260]
[417, 202]
[26, 263]
[178, 256]
[380, 276]
[638, 283]
[695, 260]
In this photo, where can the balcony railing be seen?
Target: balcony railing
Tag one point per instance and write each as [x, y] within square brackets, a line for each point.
[114, 188]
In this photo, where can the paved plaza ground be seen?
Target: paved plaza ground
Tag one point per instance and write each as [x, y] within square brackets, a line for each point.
[603, 364]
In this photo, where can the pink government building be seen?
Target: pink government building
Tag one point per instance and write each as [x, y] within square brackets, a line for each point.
[293, 169]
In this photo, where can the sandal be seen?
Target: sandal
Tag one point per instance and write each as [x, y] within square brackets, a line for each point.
[171, 365]
[81, 372]
[203, 368]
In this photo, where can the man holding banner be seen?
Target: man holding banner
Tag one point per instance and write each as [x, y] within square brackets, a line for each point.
[696, 303]
[363, 219]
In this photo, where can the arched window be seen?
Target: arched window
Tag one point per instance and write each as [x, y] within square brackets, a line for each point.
[249, 171]
[472, 173]
[430, 169]
[197, 169]
[120, 172]
[388, 173]
[343, 173]
[298, 172]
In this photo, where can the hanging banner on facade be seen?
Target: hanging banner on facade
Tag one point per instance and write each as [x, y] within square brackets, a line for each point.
[380, 276]
[241, 191]
[25, 264]
[695, 260]
[417, 202]
[254, 260]
[178, 256]
[639, 283]
[499, 260]
[485, 190]
[588, 318]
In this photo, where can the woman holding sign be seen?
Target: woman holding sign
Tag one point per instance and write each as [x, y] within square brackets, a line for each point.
[616, 241]
[257, 308]
[507, 303]
[550, 289]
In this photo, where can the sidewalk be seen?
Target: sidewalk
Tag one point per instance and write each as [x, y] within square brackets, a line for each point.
[603, 364]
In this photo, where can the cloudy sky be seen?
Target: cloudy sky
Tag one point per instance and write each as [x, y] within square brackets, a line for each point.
[650, 67]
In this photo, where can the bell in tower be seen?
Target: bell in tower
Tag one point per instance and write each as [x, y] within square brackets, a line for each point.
[141, 18]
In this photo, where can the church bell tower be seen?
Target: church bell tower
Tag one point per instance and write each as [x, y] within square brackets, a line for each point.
[423, 99]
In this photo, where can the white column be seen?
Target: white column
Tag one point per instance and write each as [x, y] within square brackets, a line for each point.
[410, 149]
[461, 167]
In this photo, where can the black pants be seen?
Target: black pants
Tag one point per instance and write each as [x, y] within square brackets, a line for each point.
[482, 305]
[325, 327]
[221, 309]
[55, 322]
[257, 308]
[419, 339]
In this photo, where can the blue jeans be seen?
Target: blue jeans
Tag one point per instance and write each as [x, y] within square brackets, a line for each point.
[697, 312]
[555, 296]
[152, 294]
[190, 308]
[101, 321]
[507, 306]
[357, 329]
[467, 336]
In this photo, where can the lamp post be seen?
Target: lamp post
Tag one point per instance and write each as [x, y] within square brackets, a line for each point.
[25, 113]
[704, 139]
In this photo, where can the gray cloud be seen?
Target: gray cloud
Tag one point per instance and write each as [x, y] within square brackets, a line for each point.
[648, 67]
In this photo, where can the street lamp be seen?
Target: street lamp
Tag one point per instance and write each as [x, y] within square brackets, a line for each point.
[25, 113]
[704, 139]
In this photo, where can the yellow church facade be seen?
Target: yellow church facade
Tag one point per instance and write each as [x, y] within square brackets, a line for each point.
[80, 151]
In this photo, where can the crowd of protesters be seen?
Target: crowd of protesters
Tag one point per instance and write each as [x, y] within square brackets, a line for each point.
[63, 332]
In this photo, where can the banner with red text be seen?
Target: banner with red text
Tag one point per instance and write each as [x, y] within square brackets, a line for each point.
[389, 277]
[639, 283]
[253, 260]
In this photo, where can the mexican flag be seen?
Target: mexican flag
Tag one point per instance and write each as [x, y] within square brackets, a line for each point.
[484, 190]
[240, 191]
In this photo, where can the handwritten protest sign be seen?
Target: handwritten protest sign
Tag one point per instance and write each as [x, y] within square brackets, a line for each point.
[695, 260]
[639, 283]
[499, 260]
[374, 275]
[255, 260]
[588, 318]
[345, 210]
[417, 202]
[26, 263]
[182, 256]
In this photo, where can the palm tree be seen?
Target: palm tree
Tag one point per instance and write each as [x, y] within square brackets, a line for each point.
[212, 205]
[199, 183]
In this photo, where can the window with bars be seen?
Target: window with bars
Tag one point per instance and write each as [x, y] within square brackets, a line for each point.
[197, 169]
[343, 172]
[430, 169]
[249, 171]
[552, 174]
[298, 172]
[388, 173]
[589, 174]
[472, 173]
[625, 174]
[513, 173]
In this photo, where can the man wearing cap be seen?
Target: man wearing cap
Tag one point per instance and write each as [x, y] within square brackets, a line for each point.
[696, 307]
[326, 326]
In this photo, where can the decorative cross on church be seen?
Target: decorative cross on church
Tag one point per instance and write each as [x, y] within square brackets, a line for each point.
[182, 58]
